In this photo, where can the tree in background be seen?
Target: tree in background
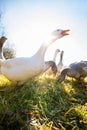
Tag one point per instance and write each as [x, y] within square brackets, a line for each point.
[9, 51]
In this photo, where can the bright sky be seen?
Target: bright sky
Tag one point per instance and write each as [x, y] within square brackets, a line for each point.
[29, 22]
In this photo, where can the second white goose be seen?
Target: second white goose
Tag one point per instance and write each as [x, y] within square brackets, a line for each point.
[60, 65]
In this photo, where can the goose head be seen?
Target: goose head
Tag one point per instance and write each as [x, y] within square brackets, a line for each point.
[61, 55]
[61, 58]
[55, 35]
[59, 33]
[55, 54]
[57, 51]
[62, 52]
[2, 40]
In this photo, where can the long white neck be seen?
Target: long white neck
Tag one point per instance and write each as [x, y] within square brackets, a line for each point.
[61, 58]
[41, 52]
[55, 55]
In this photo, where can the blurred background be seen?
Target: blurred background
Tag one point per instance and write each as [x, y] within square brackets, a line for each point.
[26, 24]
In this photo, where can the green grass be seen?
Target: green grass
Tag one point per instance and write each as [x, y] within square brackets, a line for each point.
[54, 106]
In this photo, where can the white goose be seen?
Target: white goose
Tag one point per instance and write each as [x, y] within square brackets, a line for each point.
[60, 65]
[23, 68]
[55, 55]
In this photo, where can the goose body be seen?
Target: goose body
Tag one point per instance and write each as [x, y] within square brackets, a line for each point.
[23, 68]
[77, 70]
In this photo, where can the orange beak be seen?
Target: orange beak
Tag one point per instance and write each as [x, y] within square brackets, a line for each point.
[64, 33]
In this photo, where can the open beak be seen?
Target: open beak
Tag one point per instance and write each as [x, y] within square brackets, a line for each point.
[65, 32]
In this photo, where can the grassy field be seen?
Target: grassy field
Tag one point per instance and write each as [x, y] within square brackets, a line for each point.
[43, 104]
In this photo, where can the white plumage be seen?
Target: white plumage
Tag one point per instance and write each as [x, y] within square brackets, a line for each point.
[23, 68]
[60, 65]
